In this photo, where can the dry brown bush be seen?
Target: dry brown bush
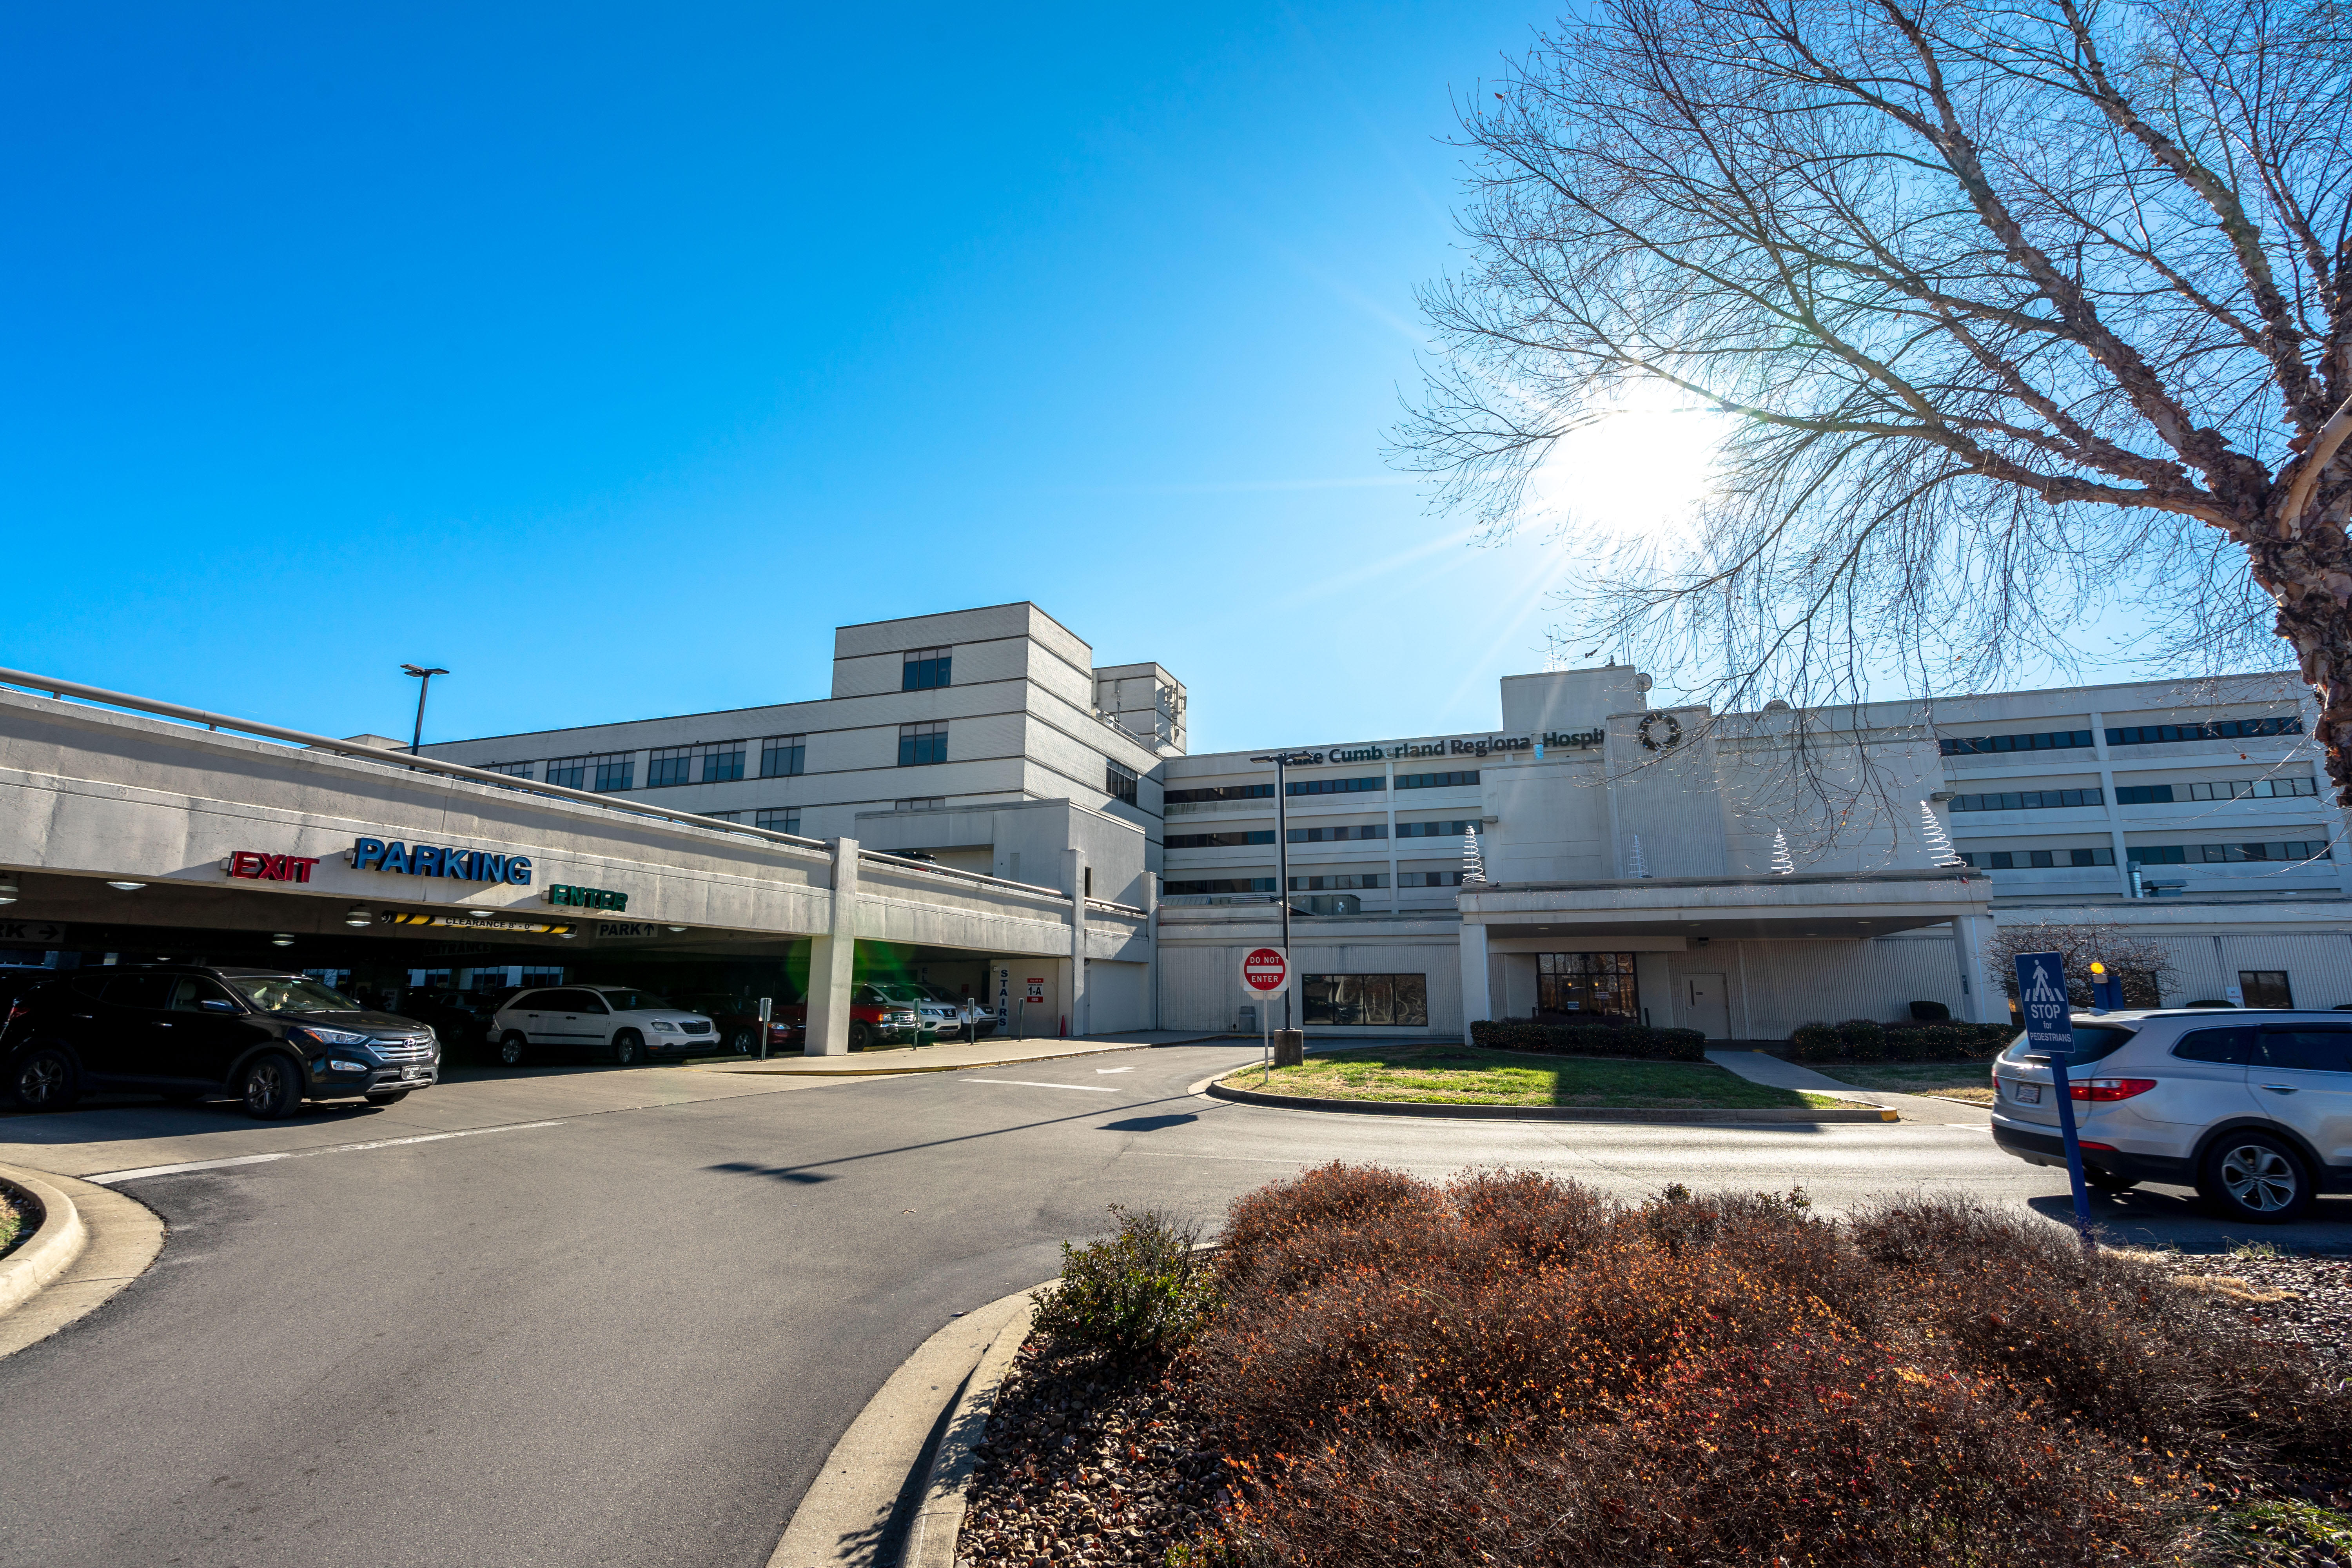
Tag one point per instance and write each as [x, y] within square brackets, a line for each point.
[1515, 1370]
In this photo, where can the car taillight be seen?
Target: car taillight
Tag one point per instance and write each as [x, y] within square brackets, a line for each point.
[15, 1010]
[2110, 1088]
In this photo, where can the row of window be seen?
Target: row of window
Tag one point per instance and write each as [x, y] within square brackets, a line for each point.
[1349, 883]
[715, 761]
[1242, 838]
[2128, 736]
[1391, 1001]
[1315, 884]
[1368, 784]
[2216, 789]
[2149, 855]
[1118, 780]
[786, 819]
[1339, 835]
[2028, 799]
[1219, 791]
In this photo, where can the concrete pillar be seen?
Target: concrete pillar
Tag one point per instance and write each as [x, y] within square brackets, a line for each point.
[1474, 1001]
[1151, 934]
[833, 959]
[1074, 874]
[1981, 998]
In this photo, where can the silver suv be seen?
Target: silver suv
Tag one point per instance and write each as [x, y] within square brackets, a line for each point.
[2250, 1107]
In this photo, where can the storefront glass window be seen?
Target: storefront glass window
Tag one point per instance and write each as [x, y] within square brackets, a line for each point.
[1395, 1001]
[1586, 985]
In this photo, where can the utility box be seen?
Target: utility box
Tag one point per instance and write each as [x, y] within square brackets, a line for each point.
[1248, 1024]
[1289, 1047]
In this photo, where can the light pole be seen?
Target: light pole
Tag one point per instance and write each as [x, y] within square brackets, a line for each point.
[424, 685]
[1282, 761]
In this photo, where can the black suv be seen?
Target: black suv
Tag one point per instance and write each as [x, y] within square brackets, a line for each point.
[270, 1038]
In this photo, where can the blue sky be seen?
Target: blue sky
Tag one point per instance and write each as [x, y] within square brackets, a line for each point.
[610, 357]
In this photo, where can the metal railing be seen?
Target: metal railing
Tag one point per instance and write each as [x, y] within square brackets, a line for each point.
[61, 689]
[905, 863]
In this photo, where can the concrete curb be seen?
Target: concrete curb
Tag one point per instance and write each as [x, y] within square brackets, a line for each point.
[1542, 1112]
[845, 1516]
[939, 1519]
[118, 1237]
[57, 1240]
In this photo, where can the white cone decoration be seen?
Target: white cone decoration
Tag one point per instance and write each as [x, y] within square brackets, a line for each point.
[1474, 865]
[1781, 864]
[1639, 869]
[1939, 843]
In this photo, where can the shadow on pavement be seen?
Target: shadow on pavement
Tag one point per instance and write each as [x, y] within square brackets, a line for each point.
[2164, 1218]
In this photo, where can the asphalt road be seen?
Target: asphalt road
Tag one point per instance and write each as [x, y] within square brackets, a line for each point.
[629, 1335]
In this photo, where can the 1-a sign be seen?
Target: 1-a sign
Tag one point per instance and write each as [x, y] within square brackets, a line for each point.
[1266, 971]
[2049, 1038]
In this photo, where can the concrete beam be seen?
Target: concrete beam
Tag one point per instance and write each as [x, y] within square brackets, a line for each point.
[1475, 1002]
[832, 960]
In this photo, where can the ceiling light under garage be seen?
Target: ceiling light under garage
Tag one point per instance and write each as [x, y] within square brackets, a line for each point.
[282, 939]
[676, 929]
[481, 914]
[357, 915]
[127, 887]
[7, 892]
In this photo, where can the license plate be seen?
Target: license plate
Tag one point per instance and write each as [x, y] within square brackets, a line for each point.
[2025, 1093]
[412, 1072]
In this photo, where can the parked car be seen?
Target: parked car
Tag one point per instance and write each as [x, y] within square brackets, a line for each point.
[620, 1021]
[945, 1014]
[2250, 1107]
[460, 1018]
[738, 1018]
[879, 1016]
[272, 1039]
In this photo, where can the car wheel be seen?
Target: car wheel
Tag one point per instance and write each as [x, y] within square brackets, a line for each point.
[741, 1042]
[395, 1097]
[2254, 1176]
[44, 1080]
[270, 1087]
[627, 1046]
[861, 1036]
[511, 1048]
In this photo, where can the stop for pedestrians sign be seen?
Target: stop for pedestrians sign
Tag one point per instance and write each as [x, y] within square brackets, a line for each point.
[1264, 970]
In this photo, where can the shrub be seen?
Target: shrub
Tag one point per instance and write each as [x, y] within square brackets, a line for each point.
[1139, 1292]
[1929, 1013]
[1590, 1039]
[1863, 1040]
[1517, 1370]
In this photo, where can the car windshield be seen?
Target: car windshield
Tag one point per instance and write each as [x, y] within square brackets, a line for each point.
[2092, 1041]
[633, 1001]
[294, 994]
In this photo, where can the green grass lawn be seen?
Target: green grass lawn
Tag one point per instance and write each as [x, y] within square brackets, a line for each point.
[1465, 1075]
[1972, 1081]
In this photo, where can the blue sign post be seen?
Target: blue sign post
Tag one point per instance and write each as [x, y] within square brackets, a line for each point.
[2049, 1036]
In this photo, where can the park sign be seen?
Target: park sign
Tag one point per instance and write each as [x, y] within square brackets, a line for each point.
[2049, 1037]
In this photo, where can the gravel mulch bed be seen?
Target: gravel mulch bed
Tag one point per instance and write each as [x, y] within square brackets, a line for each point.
[2298, 1297]
[1083, 1465]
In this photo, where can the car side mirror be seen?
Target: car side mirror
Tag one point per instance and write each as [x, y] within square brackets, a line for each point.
[216, 1004]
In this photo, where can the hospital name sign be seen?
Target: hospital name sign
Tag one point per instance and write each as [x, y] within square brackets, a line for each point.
[1486, 746]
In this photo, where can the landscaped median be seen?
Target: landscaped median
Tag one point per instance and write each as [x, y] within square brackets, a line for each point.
[1454, 1080]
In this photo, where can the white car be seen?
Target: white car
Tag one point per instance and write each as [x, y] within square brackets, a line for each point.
[629, 1025]
[942, 1014]
[2253, 1107]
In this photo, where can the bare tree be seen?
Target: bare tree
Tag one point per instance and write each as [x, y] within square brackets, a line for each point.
[2011, 306]
[2144, 967]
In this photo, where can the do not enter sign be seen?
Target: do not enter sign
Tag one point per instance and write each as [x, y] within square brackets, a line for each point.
[1264, 970]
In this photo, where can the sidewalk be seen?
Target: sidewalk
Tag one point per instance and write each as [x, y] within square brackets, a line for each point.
[1758, 1068]
[949, 1057]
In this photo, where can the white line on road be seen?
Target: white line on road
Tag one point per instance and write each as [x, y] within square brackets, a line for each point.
[111, 1177]
[1114, 1069]
[1029, 1083]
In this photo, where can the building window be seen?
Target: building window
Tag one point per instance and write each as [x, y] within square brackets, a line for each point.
[2265, 988]
[1428, 878]
[1374, 1001]
[2157, 855]
[1435, 781]
[2293, 849]
[512, 770]
[921, 745]
[1338, 834]
[2027, 859]
[920, 803]
[1219, 840]
[1349, 883]
[1586, 985]
[722, 816]
[778, 821]
[2225, 729]
[612, 771]
[782, 756]
[2047, 741]
[2029, 800]
[1433, 829]
[1369, 783]
[1223, 885]
[667, 765]
[927, 669]
[1219, 791]
[720, 762]
[1118, 780]
[2215, 789]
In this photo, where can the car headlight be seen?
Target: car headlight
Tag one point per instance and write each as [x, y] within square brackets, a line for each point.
[664, 1027]
[334, 1037]
[339, 1064]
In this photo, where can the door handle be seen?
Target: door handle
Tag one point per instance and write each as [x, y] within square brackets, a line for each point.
[2277, 1088]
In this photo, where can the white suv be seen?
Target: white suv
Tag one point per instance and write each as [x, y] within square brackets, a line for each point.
[2250, 1107]
[622, 1021]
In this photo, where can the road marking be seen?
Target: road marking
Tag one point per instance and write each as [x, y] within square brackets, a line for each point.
[1031, 1083]
[111, 1177]
[1114, 1069]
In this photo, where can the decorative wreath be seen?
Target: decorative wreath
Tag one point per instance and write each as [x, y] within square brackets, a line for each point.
[1673, 727]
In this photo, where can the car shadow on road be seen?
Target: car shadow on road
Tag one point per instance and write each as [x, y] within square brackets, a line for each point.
[2163, 1220]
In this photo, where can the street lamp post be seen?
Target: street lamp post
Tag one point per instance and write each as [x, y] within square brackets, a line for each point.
[1282, 761]
[424, 685]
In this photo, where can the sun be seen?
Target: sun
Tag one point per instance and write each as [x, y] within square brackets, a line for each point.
[1640, 469]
